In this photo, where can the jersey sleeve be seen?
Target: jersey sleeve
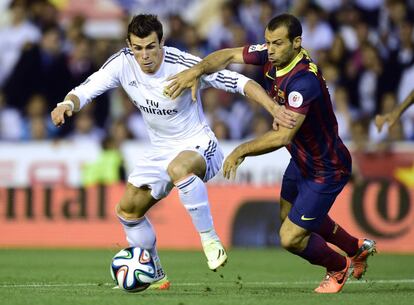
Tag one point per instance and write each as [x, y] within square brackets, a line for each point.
[302, 91]
[107, 77]
[180, 58]
[255, 54]
[225, 80]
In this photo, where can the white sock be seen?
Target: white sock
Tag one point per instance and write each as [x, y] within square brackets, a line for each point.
[140, 233]
[209, 235]
[193, 195]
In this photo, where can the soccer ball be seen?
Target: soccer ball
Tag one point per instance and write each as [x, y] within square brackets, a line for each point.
[133, 269]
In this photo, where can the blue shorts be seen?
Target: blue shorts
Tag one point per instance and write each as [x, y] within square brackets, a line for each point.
[311, 201]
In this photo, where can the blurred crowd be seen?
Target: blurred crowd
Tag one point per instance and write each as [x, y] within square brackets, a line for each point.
[365, 49]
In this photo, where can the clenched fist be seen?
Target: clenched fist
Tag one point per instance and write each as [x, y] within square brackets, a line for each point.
[58, 114]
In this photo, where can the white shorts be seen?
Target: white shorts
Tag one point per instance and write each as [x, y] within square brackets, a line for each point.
[151, 169]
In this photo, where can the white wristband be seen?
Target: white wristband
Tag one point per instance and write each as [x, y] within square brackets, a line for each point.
[67, 102]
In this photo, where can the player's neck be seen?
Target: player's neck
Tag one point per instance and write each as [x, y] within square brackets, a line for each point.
[280, 71]
[294, 55]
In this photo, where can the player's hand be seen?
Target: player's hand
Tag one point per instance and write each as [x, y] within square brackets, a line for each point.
[58, 114]
[181, 81]
[390, 118]
[283, 117]
[231, 164]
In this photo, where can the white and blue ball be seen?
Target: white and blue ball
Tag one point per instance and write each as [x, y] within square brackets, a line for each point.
[133, 269]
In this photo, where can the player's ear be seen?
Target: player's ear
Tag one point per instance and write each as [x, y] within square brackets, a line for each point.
[162, 42]
[297, 42]
[128, 43]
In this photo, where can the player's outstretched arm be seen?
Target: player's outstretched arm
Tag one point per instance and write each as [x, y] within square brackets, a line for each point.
[270, 141]
[392, 117]
[70, 104]
[281, 115]
[189, 78]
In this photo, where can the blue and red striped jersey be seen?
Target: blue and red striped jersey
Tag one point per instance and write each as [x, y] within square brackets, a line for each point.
[316, 148]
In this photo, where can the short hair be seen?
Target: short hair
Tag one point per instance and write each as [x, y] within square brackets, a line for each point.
[289, 21]
[15, 3]
[143, 25]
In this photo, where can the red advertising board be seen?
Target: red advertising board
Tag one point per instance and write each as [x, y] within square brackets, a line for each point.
[68, 217]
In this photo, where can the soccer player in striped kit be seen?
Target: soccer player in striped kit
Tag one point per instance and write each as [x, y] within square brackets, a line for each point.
[184, 151]
[320, 165]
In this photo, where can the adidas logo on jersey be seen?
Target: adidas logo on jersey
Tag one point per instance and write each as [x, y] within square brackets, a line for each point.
[133, 84]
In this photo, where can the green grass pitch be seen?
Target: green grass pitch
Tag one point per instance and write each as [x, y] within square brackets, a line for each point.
[76, 277]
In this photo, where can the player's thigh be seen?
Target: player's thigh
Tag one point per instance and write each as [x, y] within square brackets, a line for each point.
[289, 190]
[313, 203]
[150, 171]
[285, 207]
[135, 202]
[185, 163]
[205, 163]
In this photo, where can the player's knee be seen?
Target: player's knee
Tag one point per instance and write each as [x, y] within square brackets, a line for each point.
[289, 241]
[285, 241]
[130, 211]
[132, 205]
[177, 171]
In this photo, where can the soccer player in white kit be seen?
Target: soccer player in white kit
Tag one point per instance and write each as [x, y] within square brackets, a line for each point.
[184, 151]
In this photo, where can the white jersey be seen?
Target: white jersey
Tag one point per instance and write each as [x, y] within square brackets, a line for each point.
[168, 120]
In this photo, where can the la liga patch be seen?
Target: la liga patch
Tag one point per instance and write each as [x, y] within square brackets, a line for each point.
[295, 99]
[257, 48]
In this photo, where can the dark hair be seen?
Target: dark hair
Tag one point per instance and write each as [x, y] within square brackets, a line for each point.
[15, 3]
[289, 21]
[143, 25]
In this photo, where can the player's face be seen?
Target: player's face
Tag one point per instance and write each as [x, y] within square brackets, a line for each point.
[147, 52]
[281, 51]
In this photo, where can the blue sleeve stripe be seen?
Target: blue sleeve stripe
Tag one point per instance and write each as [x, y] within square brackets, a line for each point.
[179, 56]
[125, 51]
[178, 62]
